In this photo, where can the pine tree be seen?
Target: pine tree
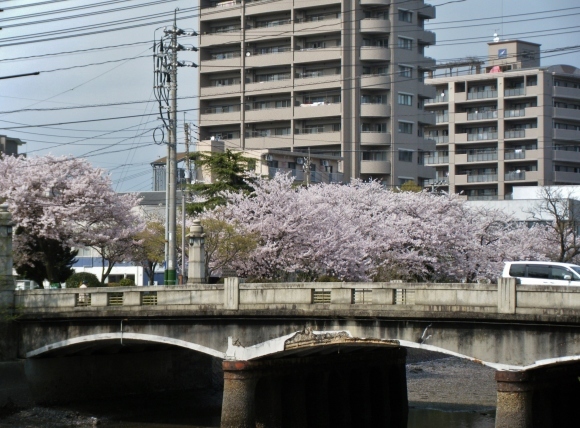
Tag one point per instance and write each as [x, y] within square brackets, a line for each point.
[229, 172]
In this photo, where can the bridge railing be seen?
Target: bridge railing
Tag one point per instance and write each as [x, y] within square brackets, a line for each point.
[504, 297]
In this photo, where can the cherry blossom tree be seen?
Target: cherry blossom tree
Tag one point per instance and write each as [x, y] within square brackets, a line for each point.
[67, 200]
[363, 231]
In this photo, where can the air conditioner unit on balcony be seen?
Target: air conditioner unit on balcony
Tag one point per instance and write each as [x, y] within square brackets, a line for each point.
[300, 161]
[324, 163]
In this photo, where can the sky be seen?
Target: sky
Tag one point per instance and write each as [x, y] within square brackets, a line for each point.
[94, 95]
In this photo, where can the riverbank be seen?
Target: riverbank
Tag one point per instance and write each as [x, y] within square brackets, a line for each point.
[438, 381]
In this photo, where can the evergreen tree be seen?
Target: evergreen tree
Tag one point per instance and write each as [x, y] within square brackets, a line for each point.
[229, 172]
[46, 258]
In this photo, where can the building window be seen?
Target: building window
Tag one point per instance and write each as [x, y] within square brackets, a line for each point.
[405, 43]
[405, 128]
[405, 71]
[405, 99]
[374, 156]
[405, 155]
[405, 15]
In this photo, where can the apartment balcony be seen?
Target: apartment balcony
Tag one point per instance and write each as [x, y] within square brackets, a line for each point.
[375, 138]
[561, 91]
[566, 156]
[300, 4]
[439, 139]
[210, 91]
[426, 117]
[427, 11]
[375, 110]
[307, 111]
[518, 154]
[282, 84]
[482, 197]
[375, 81]
[514, 92]
[222, 10]
[269, 142]
[482, 136]
[439, 99]
[481, 95]
[216, 65]
[437, 181]
[231, 143]
[316, 55]
[463, 179]
[522, 176]
[442, 118]
[375, 53]
[436, 160]
[210, 118]
[523, 112]
[281, 28]
[375, 25]
[562, 177]
[315, 82]
[566, 113]
[279, 58]
[484, 115]
[368, 2]
[317, 138]
[375, 167]
[426, 37]
[329, 24]
[521, 133]
[256, 7]
[476, 157]
[566, 134]
[271, 114]
[211, 39]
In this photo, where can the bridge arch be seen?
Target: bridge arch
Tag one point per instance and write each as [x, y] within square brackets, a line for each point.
[128, 338]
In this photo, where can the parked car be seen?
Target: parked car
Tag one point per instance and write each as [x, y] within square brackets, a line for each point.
[543, 273]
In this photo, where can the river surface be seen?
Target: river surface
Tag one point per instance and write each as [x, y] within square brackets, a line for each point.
[179, 410]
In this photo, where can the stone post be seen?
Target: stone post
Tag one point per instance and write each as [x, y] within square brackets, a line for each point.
[196, 268]
[514, 400]
[506, 295]
[239, 401]
[6, 278]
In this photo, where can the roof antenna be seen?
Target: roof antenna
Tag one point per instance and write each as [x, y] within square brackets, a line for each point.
[495, 37]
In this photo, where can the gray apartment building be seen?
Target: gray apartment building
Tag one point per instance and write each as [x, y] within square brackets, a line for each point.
[512, 123]
[341, 78]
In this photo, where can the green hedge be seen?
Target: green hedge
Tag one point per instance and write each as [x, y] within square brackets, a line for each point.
[76, 279]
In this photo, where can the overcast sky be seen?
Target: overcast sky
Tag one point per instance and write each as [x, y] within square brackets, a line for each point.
[125, 146]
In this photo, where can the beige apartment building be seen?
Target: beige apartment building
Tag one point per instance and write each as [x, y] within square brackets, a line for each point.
[341, 79]
[511, 123]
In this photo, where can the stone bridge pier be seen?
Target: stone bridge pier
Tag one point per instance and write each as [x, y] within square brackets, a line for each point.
[545, 397]
[363, 388]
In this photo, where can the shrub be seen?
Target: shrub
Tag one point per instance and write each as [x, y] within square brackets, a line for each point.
[76, 279]
[126, 282]
[327, 278]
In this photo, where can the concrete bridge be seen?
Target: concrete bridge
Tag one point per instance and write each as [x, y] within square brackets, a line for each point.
[294, 344]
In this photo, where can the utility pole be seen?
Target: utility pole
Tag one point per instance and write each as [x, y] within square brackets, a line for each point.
[188, 182]
[306, 168]
[165, 54]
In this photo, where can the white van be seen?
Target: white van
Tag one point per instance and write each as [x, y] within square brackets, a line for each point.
[543, 273]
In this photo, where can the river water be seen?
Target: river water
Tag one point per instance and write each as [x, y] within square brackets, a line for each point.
[179, 410]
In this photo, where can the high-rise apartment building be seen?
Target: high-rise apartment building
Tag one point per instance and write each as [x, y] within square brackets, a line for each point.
[511, 124]
[342, 78]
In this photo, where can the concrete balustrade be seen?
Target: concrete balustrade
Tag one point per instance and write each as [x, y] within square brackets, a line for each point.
[503, 298]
